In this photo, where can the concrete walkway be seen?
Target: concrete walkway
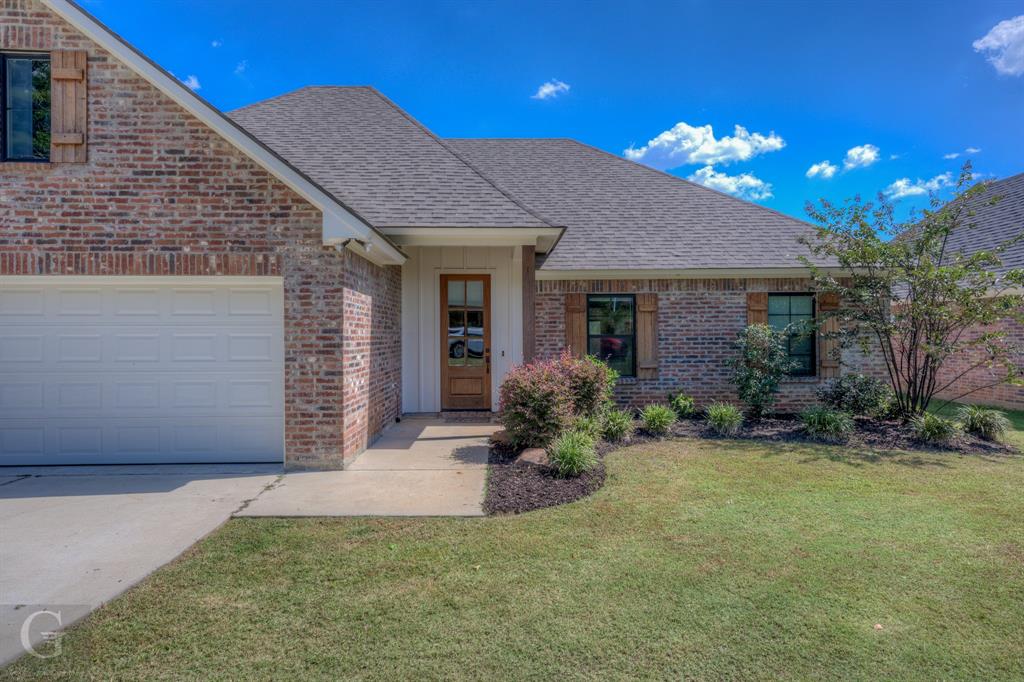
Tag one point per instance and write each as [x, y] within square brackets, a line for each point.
[419, 467]
[73, 538]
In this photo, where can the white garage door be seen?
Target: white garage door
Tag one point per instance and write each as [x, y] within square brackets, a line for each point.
[120, 370]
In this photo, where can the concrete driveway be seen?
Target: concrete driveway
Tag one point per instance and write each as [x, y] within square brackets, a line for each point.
[72, 538]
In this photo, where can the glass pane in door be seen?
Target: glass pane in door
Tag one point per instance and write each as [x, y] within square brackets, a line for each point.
[456, 293]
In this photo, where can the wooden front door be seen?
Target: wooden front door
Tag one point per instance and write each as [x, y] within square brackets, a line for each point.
[465, 342]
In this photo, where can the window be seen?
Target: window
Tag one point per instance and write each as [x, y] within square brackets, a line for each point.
[25, 110]
[611, 331]
[795, 312]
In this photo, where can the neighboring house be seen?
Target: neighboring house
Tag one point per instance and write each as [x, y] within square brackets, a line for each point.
[177, 285]
[993, 218]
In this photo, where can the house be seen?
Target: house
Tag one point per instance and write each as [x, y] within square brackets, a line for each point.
[282, 282]
[993, 218]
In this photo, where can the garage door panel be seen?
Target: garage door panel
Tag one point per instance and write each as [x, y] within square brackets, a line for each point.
[122, 372]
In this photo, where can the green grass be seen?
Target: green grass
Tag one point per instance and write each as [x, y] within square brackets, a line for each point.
[1016, 435]
[697, 560]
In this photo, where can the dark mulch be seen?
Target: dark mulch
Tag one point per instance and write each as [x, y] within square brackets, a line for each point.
[516, 488]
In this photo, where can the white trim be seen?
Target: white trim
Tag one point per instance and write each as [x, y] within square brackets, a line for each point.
[337, 219]
[542, 237]
[706, 273]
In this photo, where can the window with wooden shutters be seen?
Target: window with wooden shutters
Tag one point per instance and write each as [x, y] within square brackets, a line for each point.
[611, 331]
[69, 117]
[794, 315]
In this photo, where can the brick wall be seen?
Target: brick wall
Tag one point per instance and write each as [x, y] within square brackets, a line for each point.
[978, 380]
[698, 321]
[161, 194]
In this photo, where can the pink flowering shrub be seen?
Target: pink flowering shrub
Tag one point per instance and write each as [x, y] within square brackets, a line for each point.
[540, 401]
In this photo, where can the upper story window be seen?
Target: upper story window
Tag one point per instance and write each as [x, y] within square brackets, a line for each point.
[611, 331]
[25, 114]
[795, 312]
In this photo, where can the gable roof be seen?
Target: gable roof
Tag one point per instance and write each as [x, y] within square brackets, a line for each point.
[989, 223]
[362, 148]
[621, 215]
[340, 221]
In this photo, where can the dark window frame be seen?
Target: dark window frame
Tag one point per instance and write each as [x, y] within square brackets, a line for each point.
[4, 56]
[813, 355]
[632, 298]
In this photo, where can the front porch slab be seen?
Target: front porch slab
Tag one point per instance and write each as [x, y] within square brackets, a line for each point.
[419, 467]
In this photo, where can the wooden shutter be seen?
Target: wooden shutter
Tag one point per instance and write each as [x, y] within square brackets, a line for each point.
[828, 363]
[757, 307]
[68, 115]
[576, 324]
[647, 336]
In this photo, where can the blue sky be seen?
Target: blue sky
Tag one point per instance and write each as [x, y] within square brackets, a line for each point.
[905, 83]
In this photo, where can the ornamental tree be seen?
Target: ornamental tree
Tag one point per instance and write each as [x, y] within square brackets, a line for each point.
[906, 293]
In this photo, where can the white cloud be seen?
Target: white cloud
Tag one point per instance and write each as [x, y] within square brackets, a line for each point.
[1004, 46]
[553, 88]
[823, 170]
[954, 155]
[192, 83]
[951, 155]
[216, 42]
[905, 188]
[972, 150]
[685, 144]
[241, 67]
[860, 156]
[744, 185]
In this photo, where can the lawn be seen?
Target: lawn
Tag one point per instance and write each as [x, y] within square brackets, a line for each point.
[697, 560]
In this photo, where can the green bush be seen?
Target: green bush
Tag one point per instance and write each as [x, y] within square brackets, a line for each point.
[683, 405]
[827, 425]
[931, 428]
[759, 367]
[657, 419]
[590, 383]
[535, 404]
[856, 394]
[618, 425]
[724, 419]
[983, 422]
[588, 425]
[572, 454]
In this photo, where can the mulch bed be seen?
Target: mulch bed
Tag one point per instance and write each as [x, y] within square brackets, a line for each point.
[515, 488]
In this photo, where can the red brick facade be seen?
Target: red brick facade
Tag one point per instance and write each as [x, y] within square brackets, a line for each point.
[162, 194]
[698, 320]
[978, 380]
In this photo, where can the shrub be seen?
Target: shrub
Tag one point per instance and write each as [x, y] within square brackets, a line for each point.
[827, 425]
[535, 404]
[983, 422]
[856, 394]
[572, 453]
[724, 419]
[657, 419]
[591, 426]
[682, 404]
[759, 367]
[931, 428]
[590, 383]
[618, 425]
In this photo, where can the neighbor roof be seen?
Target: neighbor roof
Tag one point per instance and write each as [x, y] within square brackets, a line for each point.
[378, 159]
[622, 215]
[994, 217]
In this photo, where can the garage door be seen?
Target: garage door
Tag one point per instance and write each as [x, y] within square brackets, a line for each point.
[140, 370]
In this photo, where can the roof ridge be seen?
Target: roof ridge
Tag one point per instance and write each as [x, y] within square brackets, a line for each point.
[440, 142]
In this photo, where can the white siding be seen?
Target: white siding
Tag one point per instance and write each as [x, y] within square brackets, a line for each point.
[421, 307]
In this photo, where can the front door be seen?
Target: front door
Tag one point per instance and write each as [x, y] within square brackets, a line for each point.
[465, 342]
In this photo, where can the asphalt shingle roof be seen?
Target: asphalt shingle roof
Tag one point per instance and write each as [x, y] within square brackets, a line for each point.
[370, 154]
[622, 215]
[988, 224]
